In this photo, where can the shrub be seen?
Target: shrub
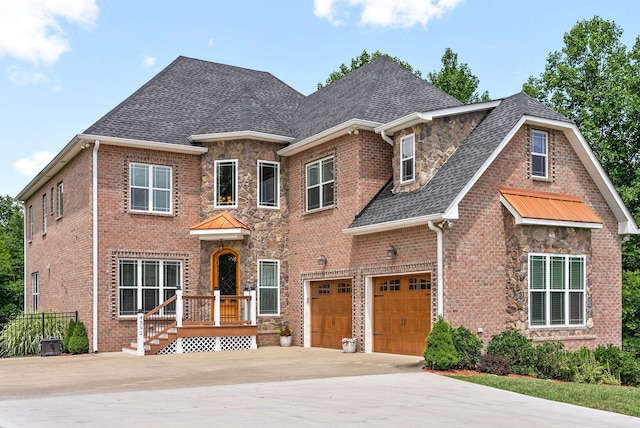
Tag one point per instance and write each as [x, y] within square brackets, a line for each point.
[21, 336]
[79, 342]
[517, 349]
[552, 362]
[440, 353]
[67, 335]
[468, 346]
[589, 370]
[621, 364]
[494, 364]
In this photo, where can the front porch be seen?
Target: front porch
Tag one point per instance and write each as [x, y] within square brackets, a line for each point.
[197, 324]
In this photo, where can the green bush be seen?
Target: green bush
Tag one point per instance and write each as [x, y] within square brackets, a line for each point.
[440, 353]
[553, 362]
[517, 349]
[468, 346]
[79, 342]
[621, 364]
[21, 336]
[494, 364]
[589, 370]
[67, 335]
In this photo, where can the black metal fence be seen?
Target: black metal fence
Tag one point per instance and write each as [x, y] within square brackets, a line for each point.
[46, 319]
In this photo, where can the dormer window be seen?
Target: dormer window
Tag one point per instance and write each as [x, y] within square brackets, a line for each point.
[407, 159]
[539, 154]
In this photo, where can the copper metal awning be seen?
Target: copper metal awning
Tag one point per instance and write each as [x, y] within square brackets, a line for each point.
[531, 207]
[221, 226]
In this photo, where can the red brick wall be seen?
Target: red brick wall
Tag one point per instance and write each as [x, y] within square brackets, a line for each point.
[475, 251]
[63, 256]
[135, 235]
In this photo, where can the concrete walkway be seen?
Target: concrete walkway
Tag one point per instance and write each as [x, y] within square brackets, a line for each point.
[267, 387]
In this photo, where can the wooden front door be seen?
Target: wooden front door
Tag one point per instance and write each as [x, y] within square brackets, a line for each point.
[226, 277]
[331, 316]
[401, 314]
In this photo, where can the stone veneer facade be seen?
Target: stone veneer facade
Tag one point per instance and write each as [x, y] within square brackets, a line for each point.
[269, 226]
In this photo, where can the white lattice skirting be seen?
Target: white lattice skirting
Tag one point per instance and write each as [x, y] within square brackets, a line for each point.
[210, 344]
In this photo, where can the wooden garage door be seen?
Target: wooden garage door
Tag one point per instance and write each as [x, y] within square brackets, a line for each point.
[330, 313]
[401, 314]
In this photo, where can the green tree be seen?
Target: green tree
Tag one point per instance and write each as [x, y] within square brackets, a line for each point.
[364, 59]
[595, 81]
[631, 310]
[11, 258]
[457, 80]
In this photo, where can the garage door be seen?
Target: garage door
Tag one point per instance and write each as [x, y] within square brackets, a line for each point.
[330, 313]
[401, 314]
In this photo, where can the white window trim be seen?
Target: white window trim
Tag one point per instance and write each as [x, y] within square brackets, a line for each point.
[320, 184]
[277, 184]
[44, 214]
[544, 155]
[35, 291]
[277, 287]
[566, 290]
[150, 188]
[30, 214]
[412, 158]
[216, 204]
[60, 197]
[139, 288]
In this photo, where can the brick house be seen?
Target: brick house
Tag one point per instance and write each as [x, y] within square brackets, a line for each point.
[365, 209]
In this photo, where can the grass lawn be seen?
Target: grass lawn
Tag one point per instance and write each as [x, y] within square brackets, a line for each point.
[618, 399]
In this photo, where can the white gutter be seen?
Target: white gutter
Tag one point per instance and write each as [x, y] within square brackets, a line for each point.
[328, 134]
[440, 268]
[236, 135]
[141, 144]
[395, 224]
[95, 244]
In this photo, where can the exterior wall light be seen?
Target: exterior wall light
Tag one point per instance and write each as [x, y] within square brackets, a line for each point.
[322, 261]
[391, 252]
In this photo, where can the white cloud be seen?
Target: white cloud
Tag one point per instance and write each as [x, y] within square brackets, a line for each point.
[29, 167]
[211, 42]
[30, 30]
[385, 13]
[148, 61]
[23, 78]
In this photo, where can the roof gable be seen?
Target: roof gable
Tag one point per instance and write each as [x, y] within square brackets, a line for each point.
[378, 92]
[182, 99]
[439, 197]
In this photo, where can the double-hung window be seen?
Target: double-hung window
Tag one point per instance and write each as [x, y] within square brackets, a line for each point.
[226, 184]
[145, 284]
[35, 291]
[539, 154]
[60, 200]
[30, 230]
[44, 213]
[268, 287]
[150, 187]
[556, 290]
[320, 184]
[407, 158]
[268, 184]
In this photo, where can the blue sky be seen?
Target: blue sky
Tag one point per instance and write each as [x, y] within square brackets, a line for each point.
[66, 63]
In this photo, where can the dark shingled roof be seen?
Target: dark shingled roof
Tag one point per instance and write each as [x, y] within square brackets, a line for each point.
[189, 97]
[438, 194]
[380, 91]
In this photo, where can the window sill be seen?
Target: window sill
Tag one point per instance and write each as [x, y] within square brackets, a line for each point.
[541, 179]
[330, 207]
[157, 214]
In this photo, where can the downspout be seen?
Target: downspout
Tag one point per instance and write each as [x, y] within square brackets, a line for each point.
[24, 252]
[440, 256]
[96, 146]
[386, 138]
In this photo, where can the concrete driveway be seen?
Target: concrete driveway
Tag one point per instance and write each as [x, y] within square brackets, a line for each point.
[270, 386]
